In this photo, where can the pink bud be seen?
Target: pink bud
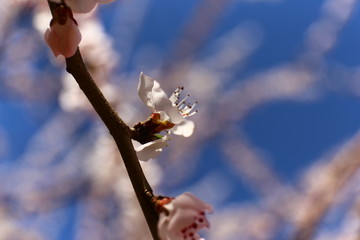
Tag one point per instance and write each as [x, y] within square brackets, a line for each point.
[63, 39]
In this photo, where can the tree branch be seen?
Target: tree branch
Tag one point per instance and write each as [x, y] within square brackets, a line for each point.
[120, 132]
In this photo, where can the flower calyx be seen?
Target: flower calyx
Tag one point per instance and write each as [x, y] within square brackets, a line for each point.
[148, 131]
[61, 13]
[160, 202]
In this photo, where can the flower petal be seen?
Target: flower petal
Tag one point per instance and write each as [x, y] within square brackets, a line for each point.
[81, 6]
[185, 128]
[151, 93]
[153, 96]
[185, 216]
[188, 200]
[63, 39]
[145, 87]
[150, 150]
[174, 114]
[52, 40]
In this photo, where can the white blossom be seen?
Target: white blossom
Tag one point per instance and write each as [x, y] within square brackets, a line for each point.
[82, 6]
[183, 217]
[150, 150]
[170, 109]
[168, 114]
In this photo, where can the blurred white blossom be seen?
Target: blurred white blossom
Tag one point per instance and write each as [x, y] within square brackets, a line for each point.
[82, 6]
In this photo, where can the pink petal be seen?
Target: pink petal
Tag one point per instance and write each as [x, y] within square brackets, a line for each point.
[63, 39]
[186, 215]
[188, 200]
[52, 41]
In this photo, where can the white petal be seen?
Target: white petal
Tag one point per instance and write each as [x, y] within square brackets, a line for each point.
[150, 150]
[153, 96]
[185, 128]
[164, 232]
[145, 87]
[189, 201]
[81, 6]
[174, 114]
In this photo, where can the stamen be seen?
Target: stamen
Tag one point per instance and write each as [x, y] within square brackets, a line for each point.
[192, 113]
[184, 99]
[187, 109]
[178, 90]
[194, 104]
[181, 106]
[175, 95]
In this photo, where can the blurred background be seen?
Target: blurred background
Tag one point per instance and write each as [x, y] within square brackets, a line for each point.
[276, 147]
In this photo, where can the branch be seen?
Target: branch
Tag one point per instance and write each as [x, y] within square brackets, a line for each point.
[120, 132]
[326, 184]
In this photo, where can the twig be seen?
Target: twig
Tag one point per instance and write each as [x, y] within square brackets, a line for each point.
[120, 132]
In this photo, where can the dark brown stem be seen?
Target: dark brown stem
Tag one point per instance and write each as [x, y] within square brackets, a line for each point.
[121, 134]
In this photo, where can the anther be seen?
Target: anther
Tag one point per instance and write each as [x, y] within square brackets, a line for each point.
[192, 113]
[184, 99]
[194, 104]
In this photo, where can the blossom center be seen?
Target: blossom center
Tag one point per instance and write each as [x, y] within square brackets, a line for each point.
[149, 130]
[185, 109]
